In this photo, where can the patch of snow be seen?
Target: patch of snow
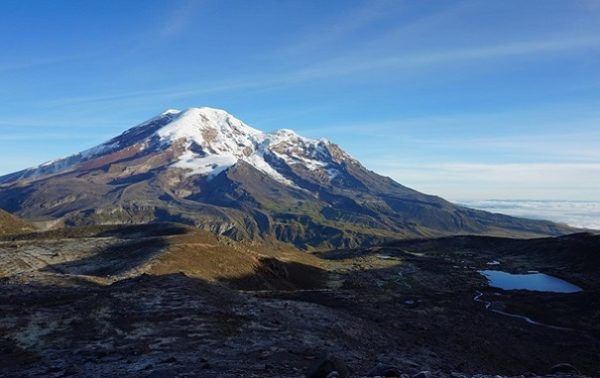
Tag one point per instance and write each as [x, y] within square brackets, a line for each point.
[99, 150]
[48, 163]
[294, 149]
[170, 112]
[210, 165]
[258, 161]
[333, 173]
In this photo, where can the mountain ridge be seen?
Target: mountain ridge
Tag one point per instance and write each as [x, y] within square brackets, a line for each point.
[206, 168]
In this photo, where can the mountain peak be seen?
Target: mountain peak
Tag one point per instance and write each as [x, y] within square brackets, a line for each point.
[209, 140]
[204, 126]
[203, 141]
[202, 118]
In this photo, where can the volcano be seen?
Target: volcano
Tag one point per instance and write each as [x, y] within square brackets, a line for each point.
[206, 168]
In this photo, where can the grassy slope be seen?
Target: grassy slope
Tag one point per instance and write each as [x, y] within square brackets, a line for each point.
[9, 224]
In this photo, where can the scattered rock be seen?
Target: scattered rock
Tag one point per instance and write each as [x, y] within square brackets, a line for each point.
[564, 368]
[326, 365]
[381, 370]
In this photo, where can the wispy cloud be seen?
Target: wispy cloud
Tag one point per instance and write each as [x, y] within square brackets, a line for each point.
[54, 136]
[180, 18]
[350, 64]
[360, 63]
[339, 28]
[34, 62]
[8, 125]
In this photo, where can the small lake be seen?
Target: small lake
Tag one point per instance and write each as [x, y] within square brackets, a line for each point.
[530, 281]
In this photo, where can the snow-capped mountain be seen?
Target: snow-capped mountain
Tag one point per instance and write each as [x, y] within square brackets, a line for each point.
[205, 142]
[203, 166]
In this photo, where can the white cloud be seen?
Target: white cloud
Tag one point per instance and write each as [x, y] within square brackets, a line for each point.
[585, 214]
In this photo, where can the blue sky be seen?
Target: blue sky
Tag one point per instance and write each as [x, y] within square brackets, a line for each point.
[465, 99]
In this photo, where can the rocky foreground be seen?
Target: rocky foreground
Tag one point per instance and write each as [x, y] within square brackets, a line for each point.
[156, 302]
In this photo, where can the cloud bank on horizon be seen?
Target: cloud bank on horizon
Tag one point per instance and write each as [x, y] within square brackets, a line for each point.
[467, 100]
[584, 214]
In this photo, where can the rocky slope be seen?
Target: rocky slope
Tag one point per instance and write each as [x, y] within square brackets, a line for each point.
[204, 167]
[10, 224]
[163, 300]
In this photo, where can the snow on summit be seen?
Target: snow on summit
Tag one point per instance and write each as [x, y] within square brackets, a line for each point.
[215, 140]
[211, 127]
[224, 140]
[206, 141]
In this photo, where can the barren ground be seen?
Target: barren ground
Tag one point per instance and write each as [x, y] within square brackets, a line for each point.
[163, 301]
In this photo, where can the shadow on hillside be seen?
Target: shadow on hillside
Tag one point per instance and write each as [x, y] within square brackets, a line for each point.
[581, 250]
[136, 245]
[145, 230]
[119, 231]
[113, 260]
[274, 274]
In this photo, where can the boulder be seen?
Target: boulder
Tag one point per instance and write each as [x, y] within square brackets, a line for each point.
[328, 366]
[564, 368]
